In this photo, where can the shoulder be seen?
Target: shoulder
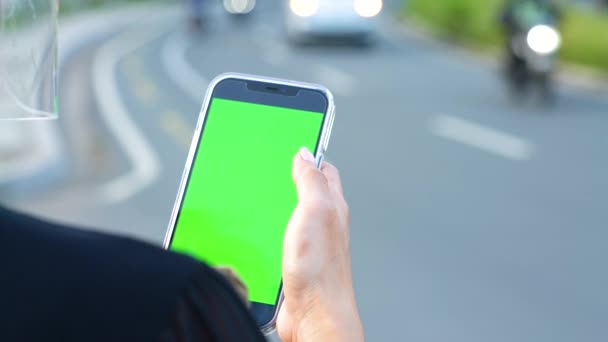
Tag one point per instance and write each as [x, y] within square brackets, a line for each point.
[36, 242]
[88, 280]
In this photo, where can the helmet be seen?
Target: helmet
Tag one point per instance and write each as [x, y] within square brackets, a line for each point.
[28, 59]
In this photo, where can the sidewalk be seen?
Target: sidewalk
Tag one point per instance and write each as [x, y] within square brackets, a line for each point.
[33, 154]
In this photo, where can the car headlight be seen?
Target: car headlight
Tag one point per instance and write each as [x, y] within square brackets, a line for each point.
[544, 39]
[304, 8]
[239, 6]
[368, 8]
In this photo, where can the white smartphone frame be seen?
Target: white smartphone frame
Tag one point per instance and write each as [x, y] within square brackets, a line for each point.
[319, 153]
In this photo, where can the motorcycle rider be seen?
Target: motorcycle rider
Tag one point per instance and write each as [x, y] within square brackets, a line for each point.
[196, 10]
[518, 16]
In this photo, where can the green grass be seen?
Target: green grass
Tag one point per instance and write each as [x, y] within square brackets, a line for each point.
[465, 21]
[475, 23]
[71, 6]
[586, 39]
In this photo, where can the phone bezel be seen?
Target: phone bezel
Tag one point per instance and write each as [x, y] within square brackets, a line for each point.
[325, 134]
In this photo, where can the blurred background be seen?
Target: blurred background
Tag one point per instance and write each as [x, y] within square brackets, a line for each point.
[471, 136]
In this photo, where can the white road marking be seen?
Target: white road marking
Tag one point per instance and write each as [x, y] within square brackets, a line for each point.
[483, 138]
[146, 168]
[179, 69]
[339, 82]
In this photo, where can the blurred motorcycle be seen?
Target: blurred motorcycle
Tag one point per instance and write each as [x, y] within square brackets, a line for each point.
[534, 59]
[197, 11]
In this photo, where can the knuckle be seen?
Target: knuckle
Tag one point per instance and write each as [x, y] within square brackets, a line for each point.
[331, 170]
[312, 174]
[327, 166]
[334, 170]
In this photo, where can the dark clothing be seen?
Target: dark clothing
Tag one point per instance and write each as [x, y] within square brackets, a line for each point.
[517, 17]
[62, 284]
[512, 22]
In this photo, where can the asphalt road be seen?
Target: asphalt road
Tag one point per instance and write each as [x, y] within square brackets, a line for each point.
[473, 219]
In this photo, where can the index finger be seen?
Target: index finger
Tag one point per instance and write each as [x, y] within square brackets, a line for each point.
[311, 183]
[333, 177]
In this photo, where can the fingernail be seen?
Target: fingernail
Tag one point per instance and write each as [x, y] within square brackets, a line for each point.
[306, 155]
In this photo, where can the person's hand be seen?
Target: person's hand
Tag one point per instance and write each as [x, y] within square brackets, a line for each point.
[317, 281]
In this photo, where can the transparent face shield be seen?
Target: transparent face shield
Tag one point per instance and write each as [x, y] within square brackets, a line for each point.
[28, 59]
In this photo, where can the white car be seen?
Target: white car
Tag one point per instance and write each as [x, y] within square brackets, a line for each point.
[339, 19]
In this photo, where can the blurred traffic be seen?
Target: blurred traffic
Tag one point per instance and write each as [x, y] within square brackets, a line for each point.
[533, 41]
[471, 136]
[341, 19]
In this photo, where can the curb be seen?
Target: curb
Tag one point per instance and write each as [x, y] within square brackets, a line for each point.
[50, 162]
[569, 75]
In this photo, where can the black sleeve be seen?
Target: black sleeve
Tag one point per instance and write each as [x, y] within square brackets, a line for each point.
[69, 285]
[505, 15]
[210, 310]
[556, 12]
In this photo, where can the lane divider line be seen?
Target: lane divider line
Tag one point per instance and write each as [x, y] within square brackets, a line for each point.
[145, 164]
[484, 138]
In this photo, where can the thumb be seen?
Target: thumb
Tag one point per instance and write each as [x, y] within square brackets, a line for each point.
[285, 325]
[310, 182]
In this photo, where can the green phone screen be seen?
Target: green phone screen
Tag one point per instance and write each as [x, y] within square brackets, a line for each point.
[240, 194]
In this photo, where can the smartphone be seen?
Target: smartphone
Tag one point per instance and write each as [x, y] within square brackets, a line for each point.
[237, 193]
